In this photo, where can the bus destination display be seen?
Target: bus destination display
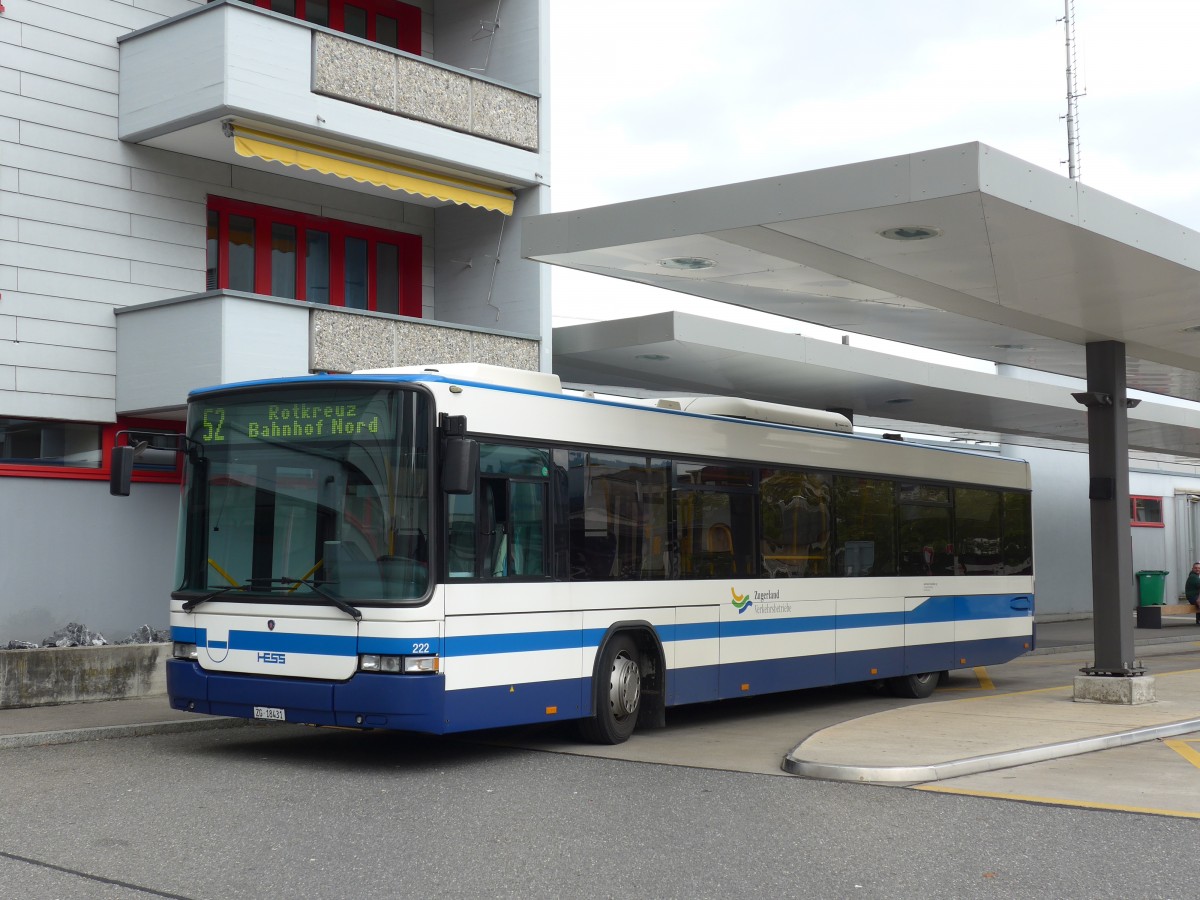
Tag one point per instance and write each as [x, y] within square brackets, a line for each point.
[287, 421]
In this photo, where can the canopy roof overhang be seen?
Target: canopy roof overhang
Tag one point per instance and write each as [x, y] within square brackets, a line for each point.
[963, 249]
[680, 353]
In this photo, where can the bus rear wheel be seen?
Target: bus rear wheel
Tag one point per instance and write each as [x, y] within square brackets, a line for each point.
[916, 687]
[619, 697]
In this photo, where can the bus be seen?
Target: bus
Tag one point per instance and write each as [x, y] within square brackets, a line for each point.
[460, 547]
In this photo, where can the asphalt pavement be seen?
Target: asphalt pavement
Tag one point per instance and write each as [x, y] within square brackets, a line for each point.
[1026, 717]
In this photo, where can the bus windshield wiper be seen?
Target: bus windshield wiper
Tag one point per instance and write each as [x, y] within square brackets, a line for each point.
[192, 604]
[336, 601]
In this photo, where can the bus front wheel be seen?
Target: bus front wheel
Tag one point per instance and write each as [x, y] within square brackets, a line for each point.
[619, 696]
[916, 687]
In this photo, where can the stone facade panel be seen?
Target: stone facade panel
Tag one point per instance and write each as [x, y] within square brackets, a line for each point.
[354, 72]
[504, 115]
[432, 94]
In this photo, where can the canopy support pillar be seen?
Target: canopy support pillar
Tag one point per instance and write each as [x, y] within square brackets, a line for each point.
[1108, 490]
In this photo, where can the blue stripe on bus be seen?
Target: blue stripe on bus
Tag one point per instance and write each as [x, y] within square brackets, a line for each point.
[935, 609]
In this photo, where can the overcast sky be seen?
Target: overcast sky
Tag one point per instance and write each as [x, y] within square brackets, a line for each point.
[658, 96]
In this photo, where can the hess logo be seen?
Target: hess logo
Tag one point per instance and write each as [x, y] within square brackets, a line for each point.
[274, 658]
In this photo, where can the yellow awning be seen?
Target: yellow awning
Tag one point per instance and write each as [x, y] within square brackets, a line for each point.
[369, 170]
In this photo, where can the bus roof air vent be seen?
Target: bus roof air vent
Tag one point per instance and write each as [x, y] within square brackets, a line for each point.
[761, 411]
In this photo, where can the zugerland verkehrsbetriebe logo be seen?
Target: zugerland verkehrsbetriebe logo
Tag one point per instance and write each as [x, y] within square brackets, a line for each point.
[767, 602]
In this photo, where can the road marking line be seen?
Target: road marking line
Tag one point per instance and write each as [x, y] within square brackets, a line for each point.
[1183, 749]
[1058, 801]
[985, 682]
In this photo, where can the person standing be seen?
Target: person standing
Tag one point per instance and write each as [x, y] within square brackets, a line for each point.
[1191, 589]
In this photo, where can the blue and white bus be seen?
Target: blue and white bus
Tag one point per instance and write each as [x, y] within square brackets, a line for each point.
[460, 547]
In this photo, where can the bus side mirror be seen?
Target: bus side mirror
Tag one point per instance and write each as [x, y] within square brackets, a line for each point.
[460, 459]
[120, 471]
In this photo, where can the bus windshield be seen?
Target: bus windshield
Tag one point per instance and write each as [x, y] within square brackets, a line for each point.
[307, 494]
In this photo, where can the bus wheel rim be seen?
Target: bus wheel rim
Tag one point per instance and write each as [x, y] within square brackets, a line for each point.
[625, 686]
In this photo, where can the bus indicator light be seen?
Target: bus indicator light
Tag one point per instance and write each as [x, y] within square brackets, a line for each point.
[552, 710]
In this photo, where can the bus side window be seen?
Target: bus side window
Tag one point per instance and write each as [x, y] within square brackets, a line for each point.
[527, 522]
[514, 528]
[494, 528]
[460, 544]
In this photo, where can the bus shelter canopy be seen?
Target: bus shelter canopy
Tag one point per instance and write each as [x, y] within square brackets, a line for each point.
[963, 249]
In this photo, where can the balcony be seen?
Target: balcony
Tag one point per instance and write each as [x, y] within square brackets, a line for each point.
[191, 83]
[167, 348]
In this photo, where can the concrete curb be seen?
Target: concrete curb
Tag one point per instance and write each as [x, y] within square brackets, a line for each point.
[988, 763]
[108, 732]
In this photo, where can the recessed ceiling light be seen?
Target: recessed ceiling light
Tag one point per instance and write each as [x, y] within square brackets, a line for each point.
[687, 263]
[910, 233]
[653, 357]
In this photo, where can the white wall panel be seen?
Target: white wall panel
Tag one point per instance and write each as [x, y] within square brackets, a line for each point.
[8, 228]
[8, 328]
[58, 309]
[27, 354]
[73, 96]
[41, 596]
[10, 31]
[8, 378]
[8, 278]
[67, 334]
[41, 209]
[48, 289]
[51, 18]
[168, 8]
[114, 198]
[178, 280]
[44, 234]
[20, 403]
[72, 143]
[69, 262]
[119, 153]
[10, 130]
[52, 65]
[124, 14]
[194, 189]
[54, 381]
[10, 79]
[189, 234]
[33, 110]
[103, 55]
[34, 159]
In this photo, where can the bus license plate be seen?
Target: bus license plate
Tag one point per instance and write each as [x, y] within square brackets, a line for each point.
[269, 712]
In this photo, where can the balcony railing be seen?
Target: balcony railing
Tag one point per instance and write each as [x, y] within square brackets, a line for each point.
[180, 78]
[409, 86]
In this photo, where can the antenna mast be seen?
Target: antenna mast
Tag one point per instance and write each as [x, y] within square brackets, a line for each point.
[1073, 95]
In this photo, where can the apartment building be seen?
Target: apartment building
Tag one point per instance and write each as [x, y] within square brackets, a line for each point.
[194, 193]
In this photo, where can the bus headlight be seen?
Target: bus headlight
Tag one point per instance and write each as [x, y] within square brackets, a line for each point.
[409, 665]
[376, 662]
[181, 650]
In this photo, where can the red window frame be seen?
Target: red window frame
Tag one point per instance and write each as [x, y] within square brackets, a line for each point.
[1133, 509]
[407, 16]
[108, 438]
[408, 246]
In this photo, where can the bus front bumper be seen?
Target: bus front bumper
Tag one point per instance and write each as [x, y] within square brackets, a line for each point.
[366, 700]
